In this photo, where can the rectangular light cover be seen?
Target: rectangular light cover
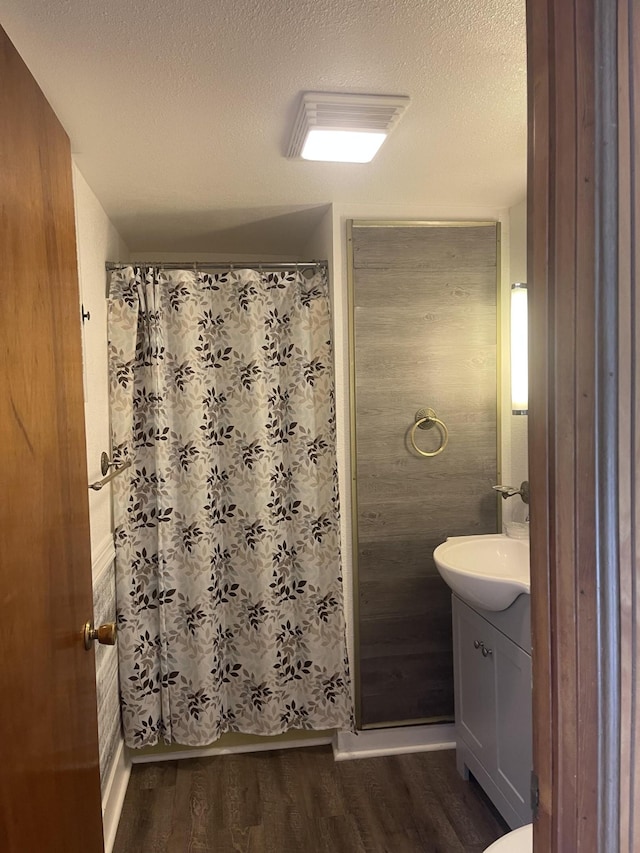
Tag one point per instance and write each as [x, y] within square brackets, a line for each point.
[342, 146]
[519, 350]
[343, 127]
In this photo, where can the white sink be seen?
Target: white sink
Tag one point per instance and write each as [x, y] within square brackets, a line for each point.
[489, 571]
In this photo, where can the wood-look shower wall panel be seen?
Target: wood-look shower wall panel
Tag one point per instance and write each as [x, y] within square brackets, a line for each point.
[448, 247]
[425, 335]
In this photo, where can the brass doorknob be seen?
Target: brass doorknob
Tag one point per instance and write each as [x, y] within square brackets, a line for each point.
[103, 634]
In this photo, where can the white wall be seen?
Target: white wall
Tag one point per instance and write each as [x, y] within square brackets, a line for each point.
[518, 248]
[319, 247]
[98, 241]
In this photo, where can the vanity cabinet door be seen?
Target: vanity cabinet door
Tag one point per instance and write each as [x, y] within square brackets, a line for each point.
[475, 683]
[513, 723]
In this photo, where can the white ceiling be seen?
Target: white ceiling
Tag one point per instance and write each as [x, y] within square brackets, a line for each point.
[179, 111]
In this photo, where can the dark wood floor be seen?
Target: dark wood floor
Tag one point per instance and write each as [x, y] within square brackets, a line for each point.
[301, 801]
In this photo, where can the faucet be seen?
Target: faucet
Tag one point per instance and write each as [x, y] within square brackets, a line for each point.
[510, 491]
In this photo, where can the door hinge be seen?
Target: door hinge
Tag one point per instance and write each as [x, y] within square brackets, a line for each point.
[535, 794]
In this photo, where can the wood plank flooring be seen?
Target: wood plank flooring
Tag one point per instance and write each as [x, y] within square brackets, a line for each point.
[301, 801]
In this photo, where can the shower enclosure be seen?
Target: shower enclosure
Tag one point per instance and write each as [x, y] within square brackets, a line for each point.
[424, 342]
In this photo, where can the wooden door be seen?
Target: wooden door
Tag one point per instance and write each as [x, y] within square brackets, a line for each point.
[573, 420]
[629, 414]
[49, 779]
[424, 331]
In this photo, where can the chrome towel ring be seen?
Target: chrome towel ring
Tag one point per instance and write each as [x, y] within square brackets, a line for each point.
[425, 419]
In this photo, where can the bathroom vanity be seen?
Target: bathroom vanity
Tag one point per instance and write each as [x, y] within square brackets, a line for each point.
[492, 670]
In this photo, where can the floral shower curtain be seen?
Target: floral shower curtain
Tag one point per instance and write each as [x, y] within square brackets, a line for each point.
[230, 610]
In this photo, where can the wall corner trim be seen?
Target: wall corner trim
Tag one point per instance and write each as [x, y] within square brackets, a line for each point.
[103, 556]
[114, 795]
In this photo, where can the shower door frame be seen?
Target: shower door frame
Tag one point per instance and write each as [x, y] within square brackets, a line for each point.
[406, 223]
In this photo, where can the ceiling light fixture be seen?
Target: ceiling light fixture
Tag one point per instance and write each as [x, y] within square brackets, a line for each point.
[344, 128]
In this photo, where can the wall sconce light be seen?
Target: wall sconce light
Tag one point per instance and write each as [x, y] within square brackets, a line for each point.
[343, 128]
[519, 350]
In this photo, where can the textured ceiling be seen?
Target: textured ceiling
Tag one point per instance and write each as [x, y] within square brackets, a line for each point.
[179, 110]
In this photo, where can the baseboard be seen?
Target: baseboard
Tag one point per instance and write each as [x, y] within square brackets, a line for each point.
[208, 751]
[393, 741]
[114, 794]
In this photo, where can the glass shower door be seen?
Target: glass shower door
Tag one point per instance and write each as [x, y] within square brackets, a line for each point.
[424, 310]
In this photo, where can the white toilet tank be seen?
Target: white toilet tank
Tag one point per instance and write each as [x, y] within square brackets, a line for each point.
[518, 841]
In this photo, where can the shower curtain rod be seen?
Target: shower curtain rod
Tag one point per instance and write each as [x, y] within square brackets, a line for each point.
[216, 265]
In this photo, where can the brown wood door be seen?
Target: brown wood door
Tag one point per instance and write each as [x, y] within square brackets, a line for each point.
[49, 780]
[576, 292]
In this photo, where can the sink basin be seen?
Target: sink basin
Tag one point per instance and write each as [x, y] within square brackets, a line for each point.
[489, 572]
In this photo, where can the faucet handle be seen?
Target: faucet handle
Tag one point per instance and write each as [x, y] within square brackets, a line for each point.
[506, 491]
[510, 491]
